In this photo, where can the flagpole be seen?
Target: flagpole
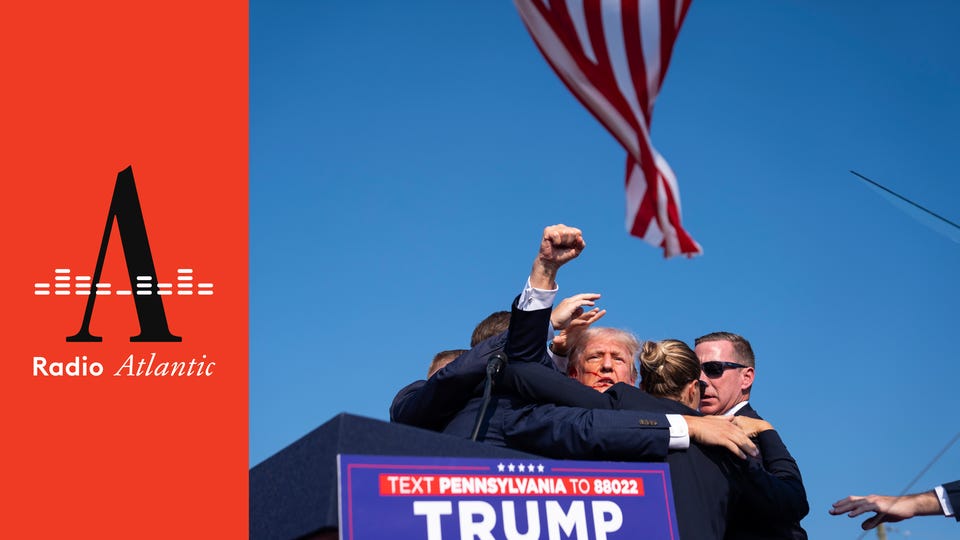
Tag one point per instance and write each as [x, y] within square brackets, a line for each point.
[902, 198]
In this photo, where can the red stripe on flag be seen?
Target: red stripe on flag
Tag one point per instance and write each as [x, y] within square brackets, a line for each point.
[638, 65]
[594, 82]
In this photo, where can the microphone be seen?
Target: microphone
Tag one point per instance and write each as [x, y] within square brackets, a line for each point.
[495, 365]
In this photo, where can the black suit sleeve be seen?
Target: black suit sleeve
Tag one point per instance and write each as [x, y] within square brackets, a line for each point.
[435, 402]
[575, 433]
[527, 335]
[403, 402]
[539, 384]
[772, 485]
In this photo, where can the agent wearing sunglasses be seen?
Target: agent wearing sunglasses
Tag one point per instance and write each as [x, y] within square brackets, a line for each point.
[728, 364]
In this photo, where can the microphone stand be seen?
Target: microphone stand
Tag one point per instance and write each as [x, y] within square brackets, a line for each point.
[494, 365]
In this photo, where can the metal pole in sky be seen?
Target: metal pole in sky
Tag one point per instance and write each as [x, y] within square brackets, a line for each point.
[902, 198]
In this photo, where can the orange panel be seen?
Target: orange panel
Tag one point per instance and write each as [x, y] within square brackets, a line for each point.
[89, 91]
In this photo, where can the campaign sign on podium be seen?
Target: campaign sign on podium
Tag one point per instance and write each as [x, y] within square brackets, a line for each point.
[385, 497]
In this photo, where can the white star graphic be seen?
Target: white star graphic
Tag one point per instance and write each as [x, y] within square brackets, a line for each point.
[540, 467]
[500, 467]
[530, 467]
[510, 467]
[521, 468]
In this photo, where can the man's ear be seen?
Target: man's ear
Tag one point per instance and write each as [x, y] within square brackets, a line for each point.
[692, 394]
[746, 378]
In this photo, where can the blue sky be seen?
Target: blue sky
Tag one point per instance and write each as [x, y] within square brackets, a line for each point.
[405, 156]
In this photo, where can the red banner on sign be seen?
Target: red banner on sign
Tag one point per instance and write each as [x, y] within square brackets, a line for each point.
[444, 485]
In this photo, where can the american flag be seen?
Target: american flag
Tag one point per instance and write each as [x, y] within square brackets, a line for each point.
[613, 56]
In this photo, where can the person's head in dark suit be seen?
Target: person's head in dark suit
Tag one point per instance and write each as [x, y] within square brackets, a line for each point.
[602, 357]
[728, 369]
[443, 358]
[671, 370]
[495, 323]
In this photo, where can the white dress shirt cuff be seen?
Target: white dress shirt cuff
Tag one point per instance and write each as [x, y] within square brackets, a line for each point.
[679, 432]
[532, 299]
[944, 501]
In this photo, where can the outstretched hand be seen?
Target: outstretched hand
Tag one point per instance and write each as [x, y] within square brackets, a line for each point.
[888, 509]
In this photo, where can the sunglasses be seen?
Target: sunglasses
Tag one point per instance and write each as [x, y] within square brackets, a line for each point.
[714, 368]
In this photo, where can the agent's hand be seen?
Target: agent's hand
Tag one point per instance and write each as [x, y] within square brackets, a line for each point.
[888, 509]
[720, 431]
[751, 426]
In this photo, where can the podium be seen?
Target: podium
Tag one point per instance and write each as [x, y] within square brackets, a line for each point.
[293, 494]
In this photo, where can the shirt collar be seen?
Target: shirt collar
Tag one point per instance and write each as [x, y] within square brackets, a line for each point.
[733, 410]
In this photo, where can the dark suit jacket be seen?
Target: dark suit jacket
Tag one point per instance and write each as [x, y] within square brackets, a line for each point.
[399, 409]
[431, 404]
[765, 497]
[775, 473]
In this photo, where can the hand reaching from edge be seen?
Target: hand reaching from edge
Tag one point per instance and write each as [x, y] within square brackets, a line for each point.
[888, 508]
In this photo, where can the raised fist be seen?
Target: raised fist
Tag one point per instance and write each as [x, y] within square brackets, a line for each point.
[560, 245]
